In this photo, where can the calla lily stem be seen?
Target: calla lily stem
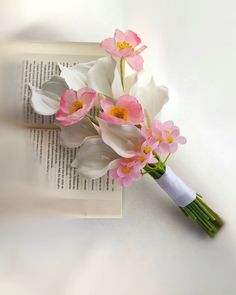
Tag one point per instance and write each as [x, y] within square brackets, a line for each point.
[122, 70]
[94, 120]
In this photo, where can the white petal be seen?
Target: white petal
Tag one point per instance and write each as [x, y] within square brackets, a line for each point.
[76, 76]
[130, 80]
[123, 139]
[55, 85]
[151, 96]
[94, 158]
[101, 75]
[73, 136]
[46, 101]
[117, 88]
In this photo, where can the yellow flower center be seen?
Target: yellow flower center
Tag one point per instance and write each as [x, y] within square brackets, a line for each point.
[120, 113]
[141, 158]
[126, 170]
[76, 106]
[124, 45]
[128, 160]
[147, 149]
[169, 139]
[159, 139]
[149, 131]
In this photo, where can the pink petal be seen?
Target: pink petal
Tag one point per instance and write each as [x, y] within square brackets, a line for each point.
[88, 96]
[110, 46]
[68, 98]
[65, 119]
[173, 147]
[106, 104]
[168, 125]
[120, 172]
[181, 140]
[119, 36]
[141, 49]
[134, 108]
[163, 148]
[136, 62]
[126, 181]
[132, 38]
[62, 118]
[112, 120]
[126, 52]
[175, 131]
[113, 173]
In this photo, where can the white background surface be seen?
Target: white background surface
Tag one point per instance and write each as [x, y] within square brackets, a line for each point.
[154, 249]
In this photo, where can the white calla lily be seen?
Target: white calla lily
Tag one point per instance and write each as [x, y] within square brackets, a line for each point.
[74, 135]
[46, 101]
[130, 80]
[101, 75]
[76, 76]
[116, 86]
[123, 139]
[94, 158]
[151, 96]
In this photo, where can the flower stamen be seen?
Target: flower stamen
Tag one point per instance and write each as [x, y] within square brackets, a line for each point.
[76, 106]
[169, 139]
[159, 139]
[124, 45]
[147, 149]
[119, 112]
[127, 170]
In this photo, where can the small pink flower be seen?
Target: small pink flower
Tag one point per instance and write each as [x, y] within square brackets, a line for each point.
[123, 45]
[146, 155]
[127, 110]
[75, 105]
[126, 172]
[167, 136]
[129, 169]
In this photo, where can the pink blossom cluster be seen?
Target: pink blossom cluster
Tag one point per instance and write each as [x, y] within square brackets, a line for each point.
[129, 169]
[161, 138]
[166, 134]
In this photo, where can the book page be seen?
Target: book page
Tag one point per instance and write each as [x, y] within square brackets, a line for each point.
[97, 198]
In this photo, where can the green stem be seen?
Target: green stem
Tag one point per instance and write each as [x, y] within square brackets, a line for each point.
[167, 158]
[122, 70]
[93, 119]
[157, 156]
[197, 210]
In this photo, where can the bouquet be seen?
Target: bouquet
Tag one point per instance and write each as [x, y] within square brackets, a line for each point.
[110, 116]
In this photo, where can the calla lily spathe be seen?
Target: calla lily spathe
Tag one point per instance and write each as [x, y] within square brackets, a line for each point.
[46, 101]
[73, 136]
[94, 158]
[98, 154]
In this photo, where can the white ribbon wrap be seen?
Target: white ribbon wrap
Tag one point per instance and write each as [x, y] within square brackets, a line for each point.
[178, 191]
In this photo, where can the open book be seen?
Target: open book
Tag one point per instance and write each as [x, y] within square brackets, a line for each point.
[35, 63]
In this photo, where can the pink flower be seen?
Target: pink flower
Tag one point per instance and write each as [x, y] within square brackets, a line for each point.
[145, 155]
[167, 136]
[126, 172]
[127, 110]
[123, 45]
[75, 105]
[129, 169]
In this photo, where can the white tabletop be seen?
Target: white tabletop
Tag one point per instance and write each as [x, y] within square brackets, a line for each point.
[154, 249]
